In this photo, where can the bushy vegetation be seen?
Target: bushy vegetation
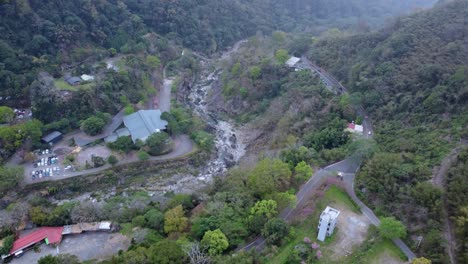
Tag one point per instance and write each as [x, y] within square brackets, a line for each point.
[7, 245]
[44, 34]
[10, 177]
[13, 137]
[95, 124]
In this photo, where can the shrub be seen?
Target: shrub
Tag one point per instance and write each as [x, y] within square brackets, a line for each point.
[98, 161]
[139, 221]
[112, 160]
[7, 245]
[143, 155]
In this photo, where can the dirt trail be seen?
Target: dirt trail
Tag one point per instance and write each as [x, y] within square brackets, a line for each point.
[440, 180]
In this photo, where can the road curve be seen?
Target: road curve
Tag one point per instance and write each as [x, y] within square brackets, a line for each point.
[367, 124]
[348, 167]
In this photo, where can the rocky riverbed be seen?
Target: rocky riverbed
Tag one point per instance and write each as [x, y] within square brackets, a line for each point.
[229, 140]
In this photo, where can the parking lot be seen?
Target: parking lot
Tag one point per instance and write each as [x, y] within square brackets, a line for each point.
[46, 165]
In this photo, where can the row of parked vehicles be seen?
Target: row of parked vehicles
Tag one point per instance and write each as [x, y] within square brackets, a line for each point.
[47, 172]
[46, 161]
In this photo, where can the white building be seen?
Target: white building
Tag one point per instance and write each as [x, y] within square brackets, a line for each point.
[292, 61]
[327, 223]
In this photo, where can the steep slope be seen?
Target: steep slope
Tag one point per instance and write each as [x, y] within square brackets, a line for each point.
[45, 34]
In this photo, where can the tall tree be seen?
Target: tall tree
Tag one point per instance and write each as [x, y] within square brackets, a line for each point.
[157, 143]
[269, 176]
[275, 230]
[391, 228]
[175, 220]
[215, 242]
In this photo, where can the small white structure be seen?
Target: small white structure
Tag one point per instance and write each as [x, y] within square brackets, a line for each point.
[111, 66]
[292, 61]
[106, 225]
[327, 223]
[356, 129]
[86, 77]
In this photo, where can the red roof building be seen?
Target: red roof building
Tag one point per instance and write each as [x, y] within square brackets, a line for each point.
[51, 235]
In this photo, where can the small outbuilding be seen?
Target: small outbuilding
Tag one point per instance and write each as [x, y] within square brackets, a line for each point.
[52, 138]
[111, 66]
[73, 81]
[292, 62]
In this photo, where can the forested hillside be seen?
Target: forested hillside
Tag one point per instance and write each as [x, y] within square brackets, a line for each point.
[411, 77]
[67, 31]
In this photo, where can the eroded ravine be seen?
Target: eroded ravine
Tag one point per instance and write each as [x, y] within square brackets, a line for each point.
[229, 144]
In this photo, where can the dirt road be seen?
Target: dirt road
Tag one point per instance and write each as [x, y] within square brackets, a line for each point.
[165, 96]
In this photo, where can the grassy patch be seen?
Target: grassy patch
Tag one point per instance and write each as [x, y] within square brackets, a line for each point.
[386, 246]
[336, 195]
[373, 250]
[63, 85]
[60, 84]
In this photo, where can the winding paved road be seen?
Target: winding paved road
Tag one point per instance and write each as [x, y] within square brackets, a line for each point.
[348, 167]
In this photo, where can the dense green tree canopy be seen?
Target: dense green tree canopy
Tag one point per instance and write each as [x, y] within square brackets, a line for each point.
[154, 219]
[215, 242]
[269, 176]
[302, 171]
[391, 228]
[275, 230]
[175, 220]
[167, 252]
[93, 125]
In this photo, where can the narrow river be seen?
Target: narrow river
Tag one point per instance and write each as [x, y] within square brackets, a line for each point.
[228, 140]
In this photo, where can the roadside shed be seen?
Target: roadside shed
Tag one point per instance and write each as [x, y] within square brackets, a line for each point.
[52, 138]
